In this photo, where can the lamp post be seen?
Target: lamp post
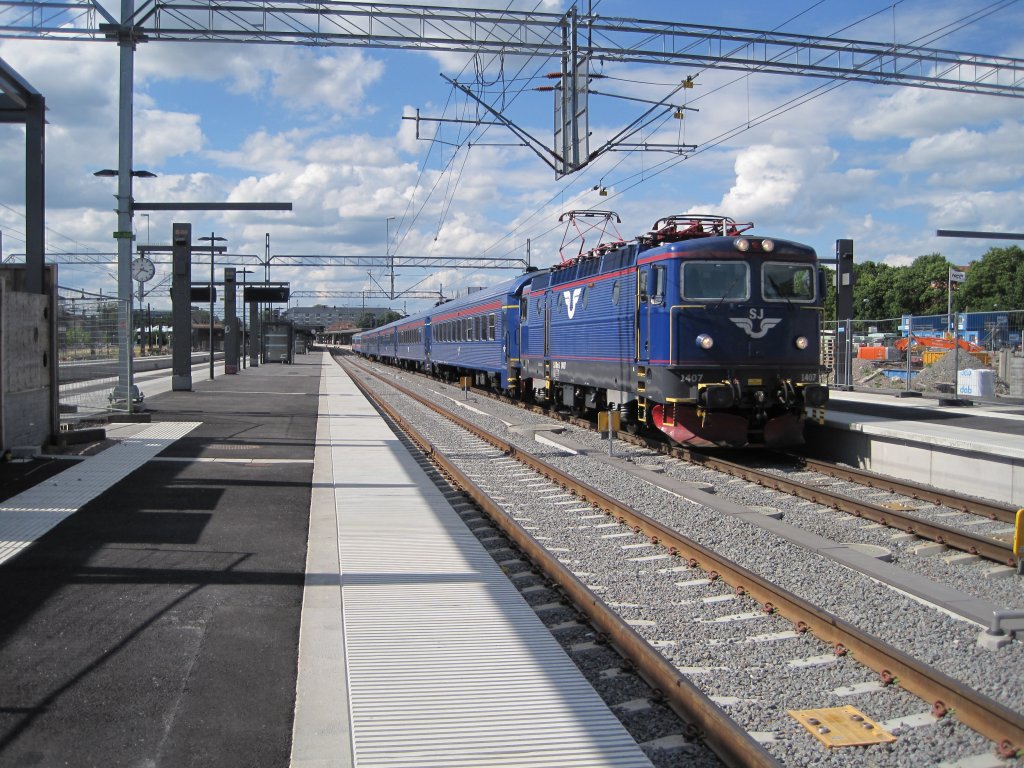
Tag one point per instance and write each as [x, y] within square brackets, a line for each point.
[245, 340]
[123, 235]
[213, 239]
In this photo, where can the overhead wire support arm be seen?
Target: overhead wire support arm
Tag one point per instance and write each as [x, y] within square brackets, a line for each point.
[642, 121]
[649, 146]
[539, 148]
[418, 118]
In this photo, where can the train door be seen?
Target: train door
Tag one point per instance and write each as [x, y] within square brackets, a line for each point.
[643, 340]
[524, 327]
[643, 316]
[545, 305]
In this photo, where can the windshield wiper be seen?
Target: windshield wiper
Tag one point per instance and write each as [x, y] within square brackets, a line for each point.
[729, 290]
[778, 290]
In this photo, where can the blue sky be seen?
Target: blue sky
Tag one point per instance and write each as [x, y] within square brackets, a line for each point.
[323, 129]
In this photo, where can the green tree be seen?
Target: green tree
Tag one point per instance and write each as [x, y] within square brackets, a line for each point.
[921, 287]
[830, 294]
[366, 321]
[390, 316]
[996, 281]
[873, 296]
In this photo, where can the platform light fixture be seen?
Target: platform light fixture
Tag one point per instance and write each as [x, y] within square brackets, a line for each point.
[111, 172]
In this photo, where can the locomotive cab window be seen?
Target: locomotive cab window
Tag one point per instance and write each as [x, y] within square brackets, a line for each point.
[716, 280]
[787, 282]
[657, 290]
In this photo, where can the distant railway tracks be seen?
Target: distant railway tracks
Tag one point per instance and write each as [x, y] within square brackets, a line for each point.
[945, 694]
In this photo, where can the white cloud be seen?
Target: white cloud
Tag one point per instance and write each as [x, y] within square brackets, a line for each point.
[160, 135]
[967, 157]
[911, 113]
[281, 77]
[794, 184]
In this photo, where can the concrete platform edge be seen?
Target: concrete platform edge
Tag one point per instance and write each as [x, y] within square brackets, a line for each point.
[322, 733]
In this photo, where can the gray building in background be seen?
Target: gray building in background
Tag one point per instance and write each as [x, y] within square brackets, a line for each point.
[319, 318]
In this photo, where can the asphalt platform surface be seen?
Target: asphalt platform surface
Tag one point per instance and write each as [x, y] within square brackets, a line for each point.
[159, 625]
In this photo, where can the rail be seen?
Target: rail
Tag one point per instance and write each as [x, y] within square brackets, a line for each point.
[983, 546]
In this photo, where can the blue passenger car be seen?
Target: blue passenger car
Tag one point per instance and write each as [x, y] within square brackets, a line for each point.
[478, 335]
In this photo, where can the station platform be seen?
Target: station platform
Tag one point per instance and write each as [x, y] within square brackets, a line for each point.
[263, 576]
[976, 448]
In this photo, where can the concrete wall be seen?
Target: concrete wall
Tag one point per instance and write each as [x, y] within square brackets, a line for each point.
[940, 464]
[26, 366]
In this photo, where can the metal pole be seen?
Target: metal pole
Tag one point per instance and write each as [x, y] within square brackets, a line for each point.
[949, 299]
[910, 345]
[213, 242]
[245, 340]
[142, 322]
[124, 203]
[956, 355]
[387, 253]
[848, 356]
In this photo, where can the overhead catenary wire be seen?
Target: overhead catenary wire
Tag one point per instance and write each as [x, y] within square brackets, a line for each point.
[633, 180]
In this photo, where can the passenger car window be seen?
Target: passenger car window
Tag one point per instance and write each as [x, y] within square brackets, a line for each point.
[716, 280]
[615, 292]
[787, 282]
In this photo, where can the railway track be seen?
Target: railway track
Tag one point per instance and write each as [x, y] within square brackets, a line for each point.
[969, 505]
[946, 695]
[998, 550]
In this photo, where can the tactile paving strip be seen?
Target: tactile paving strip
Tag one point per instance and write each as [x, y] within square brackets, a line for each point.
[26, 517]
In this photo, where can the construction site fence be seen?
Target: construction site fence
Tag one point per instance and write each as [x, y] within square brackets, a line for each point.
[972, 356]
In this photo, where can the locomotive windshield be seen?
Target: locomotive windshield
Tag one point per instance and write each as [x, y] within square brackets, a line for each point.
[787, 281]
[716, 280]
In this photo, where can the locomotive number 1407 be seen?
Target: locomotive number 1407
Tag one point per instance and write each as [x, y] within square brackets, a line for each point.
[692, 378]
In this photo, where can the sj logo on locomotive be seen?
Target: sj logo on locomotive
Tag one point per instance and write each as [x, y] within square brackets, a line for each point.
[747, 323]
[571, 297]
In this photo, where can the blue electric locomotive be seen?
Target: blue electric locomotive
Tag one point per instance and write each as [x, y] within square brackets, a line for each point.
[697, 328]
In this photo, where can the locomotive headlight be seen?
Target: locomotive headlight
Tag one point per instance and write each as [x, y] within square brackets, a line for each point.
[768, 245]
[741, 244]
[801, 342]
[705, 342]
